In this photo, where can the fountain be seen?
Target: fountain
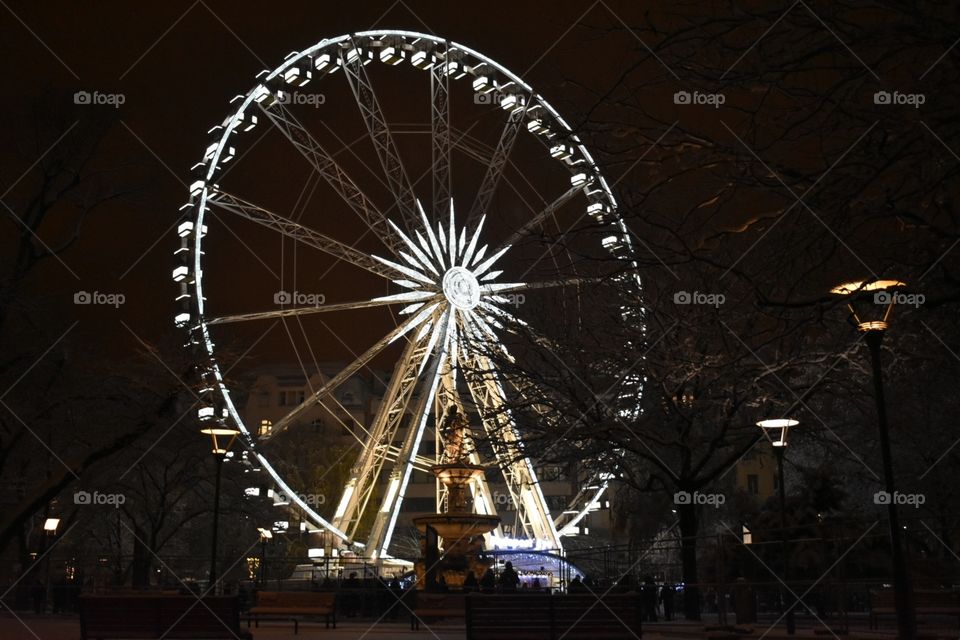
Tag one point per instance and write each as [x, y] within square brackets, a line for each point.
[459, 527]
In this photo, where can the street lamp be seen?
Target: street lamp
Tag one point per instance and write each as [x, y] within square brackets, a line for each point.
[50, 529]
[222, 438]
[871, 304]
[777, 430]
[265, 536]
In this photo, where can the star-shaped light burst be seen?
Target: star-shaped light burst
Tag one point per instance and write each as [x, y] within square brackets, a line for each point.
[451, 287]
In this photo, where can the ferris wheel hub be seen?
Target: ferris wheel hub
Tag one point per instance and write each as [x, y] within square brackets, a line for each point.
[461, 288]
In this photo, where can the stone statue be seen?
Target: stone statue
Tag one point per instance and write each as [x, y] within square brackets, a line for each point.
[454, 431]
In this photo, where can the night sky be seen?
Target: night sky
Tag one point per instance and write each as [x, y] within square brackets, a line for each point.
[177, 66]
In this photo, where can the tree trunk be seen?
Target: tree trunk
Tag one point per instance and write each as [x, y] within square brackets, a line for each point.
[689, 525]
[140, 565]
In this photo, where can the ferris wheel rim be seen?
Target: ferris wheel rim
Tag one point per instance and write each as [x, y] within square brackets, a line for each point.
[203, 206]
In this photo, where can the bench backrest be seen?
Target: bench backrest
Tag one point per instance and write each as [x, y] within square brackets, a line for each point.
[921, 598]
[153, 616]
[295, 599]
[549, 617]
[452, 601]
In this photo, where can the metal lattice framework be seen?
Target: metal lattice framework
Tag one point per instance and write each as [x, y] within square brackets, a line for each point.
[450, 294]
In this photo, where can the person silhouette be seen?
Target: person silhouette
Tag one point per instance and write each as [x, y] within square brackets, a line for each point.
[509, 580]
[488, 582]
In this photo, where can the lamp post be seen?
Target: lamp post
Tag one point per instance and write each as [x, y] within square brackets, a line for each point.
[265, 536]
[50, 526]
[222, 438]
[777, 429]
[862, 298]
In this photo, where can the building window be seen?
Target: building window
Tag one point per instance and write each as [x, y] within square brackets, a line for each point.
[266, 427]
[291, 398]
[263, 399]
[753, 484]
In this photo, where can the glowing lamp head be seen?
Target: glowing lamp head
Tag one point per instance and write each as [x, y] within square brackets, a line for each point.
[222, 438]
[777, 429]
[870, 302]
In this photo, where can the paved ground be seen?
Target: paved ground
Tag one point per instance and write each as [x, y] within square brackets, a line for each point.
[31, 627]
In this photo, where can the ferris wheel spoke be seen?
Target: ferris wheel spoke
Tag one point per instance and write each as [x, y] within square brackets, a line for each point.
[379, 446]
[488, 396]
[382, 530]
[537, 220]
[498, 163]
[296, 231]
[303, 311]
[440, 136]
[381, 136]
[324, 163]
[344, 375]
[495, 289]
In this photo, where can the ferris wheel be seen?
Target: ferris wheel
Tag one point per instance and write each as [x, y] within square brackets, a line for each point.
[449, 289]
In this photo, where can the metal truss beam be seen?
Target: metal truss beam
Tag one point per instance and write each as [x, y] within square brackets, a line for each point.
[495, 168]
[382, 138]
[342, 376]
[333, 173]
[298, 232]
[487, 392]
[378, 448]
[440, 136]
[382, 531]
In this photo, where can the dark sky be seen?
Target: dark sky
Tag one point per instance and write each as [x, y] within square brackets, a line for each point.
[176, 66]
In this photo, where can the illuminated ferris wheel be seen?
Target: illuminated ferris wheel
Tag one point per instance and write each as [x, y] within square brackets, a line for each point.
[449, 288]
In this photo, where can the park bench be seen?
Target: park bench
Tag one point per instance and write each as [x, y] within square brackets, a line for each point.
[139, 615]
[434, 606]
[551, 617]
[925, 602]
[293, 605]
